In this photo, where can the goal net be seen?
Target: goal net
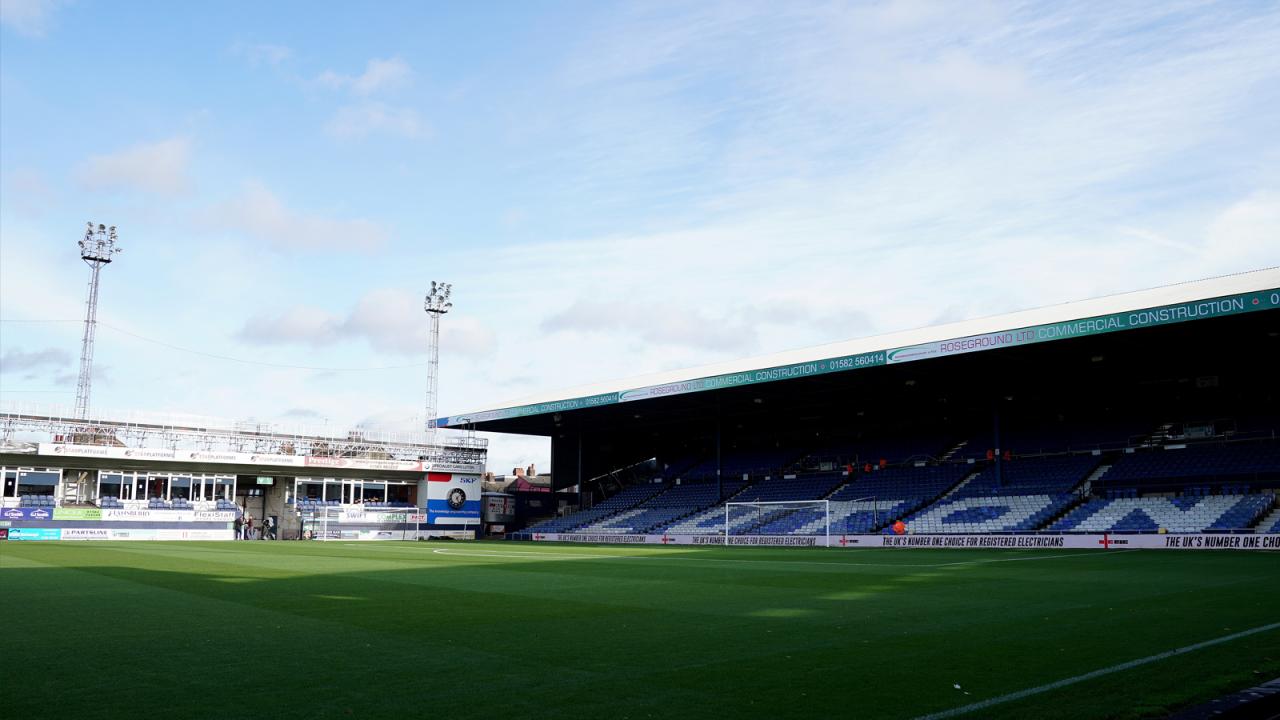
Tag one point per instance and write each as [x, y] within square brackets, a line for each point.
[780, 517]
[327, 524]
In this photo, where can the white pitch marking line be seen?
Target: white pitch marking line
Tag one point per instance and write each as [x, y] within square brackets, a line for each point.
[1095, 674]
[518, 555]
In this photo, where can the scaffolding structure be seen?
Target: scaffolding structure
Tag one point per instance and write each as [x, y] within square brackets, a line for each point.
[139, 430]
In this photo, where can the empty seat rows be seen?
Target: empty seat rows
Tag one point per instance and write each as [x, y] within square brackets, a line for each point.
[1197, 462]
[160, 504]
[1183, 514]
[625, 499]
[1038, 476]
[664, 509]
[1013, 513]
[37, 501]
[1270, 523]
[927, 481]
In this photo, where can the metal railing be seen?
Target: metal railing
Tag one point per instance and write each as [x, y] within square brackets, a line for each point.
[172, 431]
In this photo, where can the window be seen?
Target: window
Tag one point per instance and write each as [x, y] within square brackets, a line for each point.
[224, 487]
[10, 483]
[180, 488]
[398, 493]
[309, 489]
[109, 484]
[38, 482]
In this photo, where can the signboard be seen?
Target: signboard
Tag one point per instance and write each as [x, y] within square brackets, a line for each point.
[39, 513]
[34, 533]
[1098, 325]
[86, 534]
[266, 480]
[499, 508]
[77, 514]
[453, 499]
[1105, 541]
[125, 514]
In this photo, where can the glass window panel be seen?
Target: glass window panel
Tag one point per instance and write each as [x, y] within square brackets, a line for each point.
[109, 485]
[224, 487]
[310, 489]
[180, 488]
[38, 482]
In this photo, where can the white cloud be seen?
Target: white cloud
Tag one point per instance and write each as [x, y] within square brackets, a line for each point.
[655, 322]
[379, 75]
[390, 320]
[159, 168]
[358, 121]
[367, 116]
[260, 214]
[296, 325]
[17, 360]
[29, 17]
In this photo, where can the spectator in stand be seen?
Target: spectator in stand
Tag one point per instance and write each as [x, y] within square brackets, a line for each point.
[899, 527]
[239, 525]
[248, 527]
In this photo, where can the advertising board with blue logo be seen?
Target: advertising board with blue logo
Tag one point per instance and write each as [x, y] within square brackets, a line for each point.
[35, 534]
[39, 513]
[453, 499]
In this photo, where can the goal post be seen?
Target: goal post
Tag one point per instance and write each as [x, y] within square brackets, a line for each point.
[777, 517]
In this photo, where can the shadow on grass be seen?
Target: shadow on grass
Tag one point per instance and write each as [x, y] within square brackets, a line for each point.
[323, 630]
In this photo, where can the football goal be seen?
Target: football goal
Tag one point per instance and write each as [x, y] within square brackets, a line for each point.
[775, 518]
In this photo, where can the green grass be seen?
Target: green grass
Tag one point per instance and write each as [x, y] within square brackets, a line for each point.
[340, 630]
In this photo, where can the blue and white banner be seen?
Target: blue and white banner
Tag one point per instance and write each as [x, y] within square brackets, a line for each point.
[1103, 541]
[453, 499]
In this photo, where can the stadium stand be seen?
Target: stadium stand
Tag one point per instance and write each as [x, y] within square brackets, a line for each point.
[1176, 515]
[1029, 492]
[893, 450]
[1093, 491]
[710, 518]
[1176, 467]
[677, 502]
[1270, 523]
[987, 514]
[894, 492]
[736, 465]
[626, 499]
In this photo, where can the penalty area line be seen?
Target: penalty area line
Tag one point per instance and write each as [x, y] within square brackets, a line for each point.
[1001, 699]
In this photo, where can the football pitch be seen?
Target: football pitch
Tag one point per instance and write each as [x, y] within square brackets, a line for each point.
[379, 630]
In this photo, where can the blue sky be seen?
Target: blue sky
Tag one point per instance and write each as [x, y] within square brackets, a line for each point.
[612, 188]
